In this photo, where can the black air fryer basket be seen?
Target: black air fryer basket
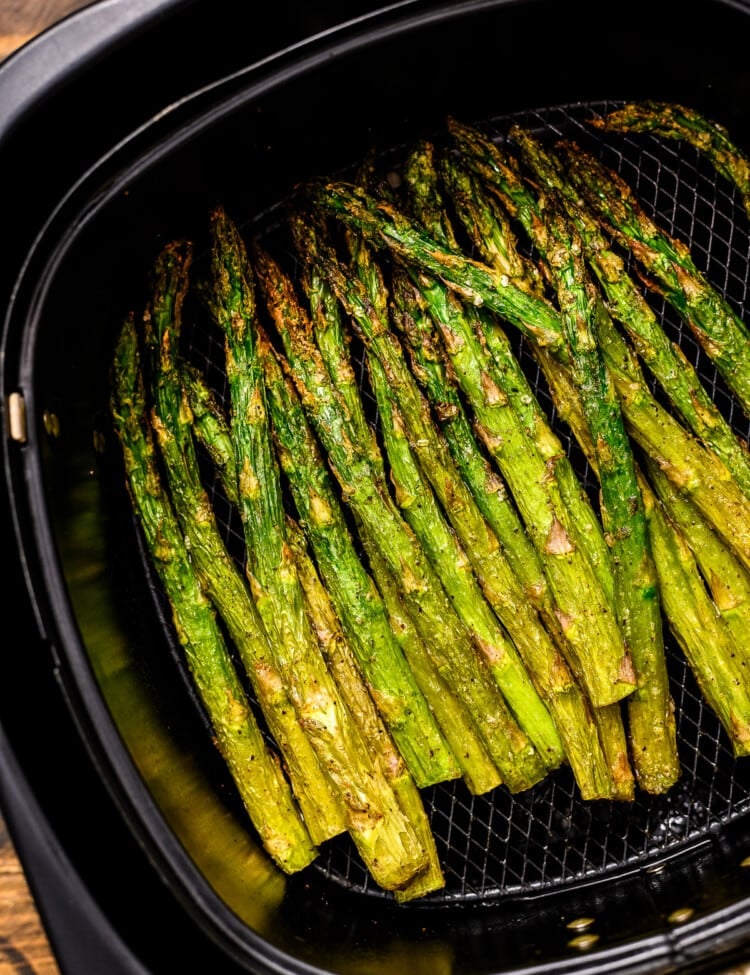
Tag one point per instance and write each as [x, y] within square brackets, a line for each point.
[123, 127]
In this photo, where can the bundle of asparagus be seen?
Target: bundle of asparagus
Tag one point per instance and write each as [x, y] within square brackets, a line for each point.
[428, 591]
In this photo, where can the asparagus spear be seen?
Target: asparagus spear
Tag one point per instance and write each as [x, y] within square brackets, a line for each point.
[265, 792]
[385, 226]
[689, 466]
[211, 428]
[673, 121]
[705, 639]
[726, 579]
[694, 470]
[457, 657]
[636, 596]
[636, 591]
[491, 234]
[385, 839]
[357, 601]
[553, 679]
[364, 301]
[380, 745]
[217, 573]
[718, 328]
[628, 305]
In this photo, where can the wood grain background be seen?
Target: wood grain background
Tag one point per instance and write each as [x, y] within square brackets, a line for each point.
[24, 949]
[20, 20]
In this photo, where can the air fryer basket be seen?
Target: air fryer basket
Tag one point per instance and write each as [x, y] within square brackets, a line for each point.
[657, 885]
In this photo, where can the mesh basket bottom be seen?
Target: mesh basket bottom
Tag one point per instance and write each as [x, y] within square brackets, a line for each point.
[501, 844]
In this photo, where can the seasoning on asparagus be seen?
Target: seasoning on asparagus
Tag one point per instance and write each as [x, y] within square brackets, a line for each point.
[380, 745]
[446, 638]
[652, 736]
[718, 328]
[383, 836]
[673, 121]
[359, 606]
[705, 639]
[217, 573]
[255, 769]
[628, 305]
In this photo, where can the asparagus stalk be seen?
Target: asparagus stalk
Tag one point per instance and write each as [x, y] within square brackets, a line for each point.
[553, 679]
[689, 466]
[333, 340]
[694, 470]
[361, 610]
[211, 429]
[255, 769]
[673, 121]
[491, 234]
[216, 571]
[718, 328]
[726, 579]
[385, 226]
[653, 737]
[457, 657]
[380, 744]
[385, 839]
[628, 305]
[636, 592]
[705, 639]
[481, 551]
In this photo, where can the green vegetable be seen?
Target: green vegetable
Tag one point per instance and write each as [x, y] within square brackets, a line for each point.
[383, 836]
[456, 656]
[673, 121]
[216, 571]
[255, 769]
[720, 331]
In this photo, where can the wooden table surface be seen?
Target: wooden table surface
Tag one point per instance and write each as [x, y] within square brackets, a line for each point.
[24, 949]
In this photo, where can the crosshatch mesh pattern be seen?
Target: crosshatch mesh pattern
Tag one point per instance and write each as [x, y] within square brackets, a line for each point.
[501, 844]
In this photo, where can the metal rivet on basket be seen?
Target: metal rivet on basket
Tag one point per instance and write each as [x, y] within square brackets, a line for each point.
[655, 868]
[583, 941]
[580, 923]
[681, 915]
[17, 417]
[51, 423]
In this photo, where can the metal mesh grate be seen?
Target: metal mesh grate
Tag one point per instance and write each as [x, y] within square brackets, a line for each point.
[500, 844]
